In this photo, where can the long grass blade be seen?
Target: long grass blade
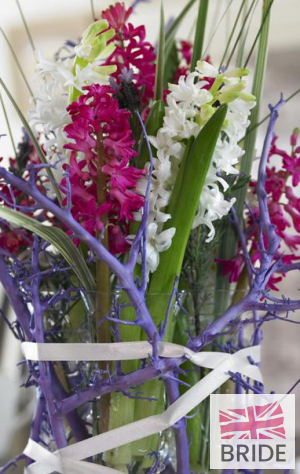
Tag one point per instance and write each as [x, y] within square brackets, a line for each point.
[258, 33]
[26, 26]
[58, 239]
[232, 32]
[93, 10]
[254, 2]
[257, 89]
[217, 26]
[33, 139]
[229, 241]
[176, 23]
[171, 33]
[8, 125]
[200, 32]
[243, 39]
[16, 61]
[160, 64]
[258, 124]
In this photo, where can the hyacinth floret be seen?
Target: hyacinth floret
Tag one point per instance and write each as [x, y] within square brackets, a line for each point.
[132, 51]
[101, 141]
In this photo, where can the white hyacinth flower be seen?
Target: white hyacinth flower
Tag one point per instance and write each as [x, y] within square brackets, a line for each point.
[189, 107]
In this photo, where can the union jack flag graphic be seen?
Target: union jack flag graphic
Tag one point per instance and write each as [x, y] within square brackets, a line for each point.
[253, 422]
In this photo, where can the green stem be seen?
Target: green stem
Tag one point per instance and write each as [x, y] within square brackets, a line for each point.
[103, 291]
[250, 129]
[122, 408]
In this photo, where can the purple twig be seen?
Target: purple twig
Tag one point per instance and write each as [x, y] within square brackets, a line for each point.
[181, 439]
[268, 267]
[123, 273]
[140, 241]
[12, 463]
[15, 298]
[140, 376]
[241, 235]
[45, 379]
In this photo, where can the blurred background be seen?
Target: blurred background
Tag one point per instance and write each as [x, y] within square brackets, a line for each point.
[53, 22]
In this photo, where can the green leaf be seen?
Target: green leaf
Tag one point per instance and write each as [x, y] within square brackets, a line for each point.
[185, 201]
[160, 63]
[33, 139]
[171, 64]
[200, 32]
[62, 243]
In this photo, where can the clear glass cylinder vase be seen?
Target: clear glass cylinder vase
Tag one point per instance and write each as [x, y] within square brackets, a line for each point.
[100, 318]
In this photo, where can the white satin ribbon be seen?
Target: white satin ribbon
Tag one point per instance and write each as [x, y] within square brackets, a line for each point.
[126, 351]
[68, 460]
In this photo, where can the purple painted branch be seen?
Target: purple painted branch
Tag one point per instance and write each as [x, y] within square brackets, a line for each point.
[45, 381]
[123, 273]
[141, 235]
[140, 376]
[143, 226]
[181, 439]
[217, 326]
[23, 316]
[249, 267]
[271, 316]
[289, 267]
[285, 306]
[37, 418]
[267, 226]
[12, 463]
[250, 272]
[77, 425]
[15, 298]
[268, 267]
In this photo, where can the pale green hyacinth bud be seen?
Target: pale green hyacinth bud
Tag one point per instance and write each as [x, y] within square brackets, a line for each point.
[93, 47]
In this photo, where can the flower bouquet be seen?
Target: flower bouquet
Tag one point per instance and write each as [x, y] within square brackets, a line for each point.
[134, 238]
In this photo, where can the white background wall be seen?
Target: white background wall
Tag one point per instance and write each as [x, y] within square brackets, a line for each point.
[54, 21]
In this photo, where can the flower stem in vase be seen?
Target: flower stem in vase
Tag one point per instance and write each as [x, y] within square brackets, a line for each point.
[101, 417]
[122, 408]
